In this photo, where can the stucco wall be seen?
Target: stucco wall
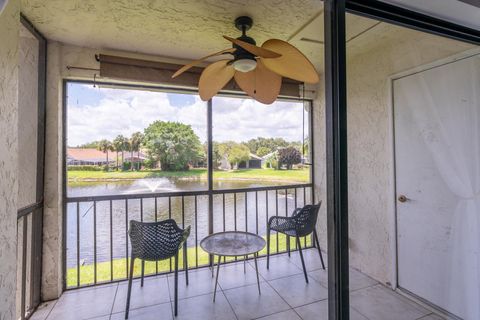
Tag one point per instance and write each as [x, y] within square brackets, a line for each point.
[373, 57]
[52, 217]
[27, 118]
[9, 28]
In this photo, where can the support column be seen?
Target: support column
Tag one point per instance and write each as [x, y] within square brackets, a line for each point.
[210, 171]
[336, 136]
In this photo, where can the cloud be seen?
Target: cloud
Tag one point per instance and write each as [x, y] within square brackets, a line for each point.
[104, 113]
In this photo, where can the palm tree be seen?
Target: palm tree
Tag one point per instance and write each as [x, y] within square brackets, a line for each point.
[118, 145]
[125, 147]
[135, 142]
[105, 146]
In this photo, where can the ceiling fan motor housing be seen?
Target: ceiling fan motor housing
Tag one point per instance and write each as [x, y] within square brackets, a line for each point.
[244, 24]
[241, 53]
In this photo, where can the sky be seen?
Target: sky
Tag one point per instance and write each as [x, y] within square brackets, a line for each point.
[103, 113]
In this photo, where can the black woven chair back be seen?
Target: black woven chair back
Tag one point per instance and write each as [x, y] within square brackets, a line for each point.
[305, 219]
[153, 241]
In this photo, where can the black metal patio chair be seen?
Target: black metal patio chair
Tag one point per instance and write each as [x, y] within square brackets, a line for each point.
[300, 224]
[155, 241]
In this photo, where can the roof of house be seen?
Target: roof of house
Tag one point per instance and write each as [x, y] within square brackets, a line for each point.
[269, 155]
[254, 156]
[92, 154]
[89, 154]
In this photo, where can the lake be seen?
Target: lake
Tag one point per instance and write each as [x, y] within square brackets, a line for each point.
[243, 211]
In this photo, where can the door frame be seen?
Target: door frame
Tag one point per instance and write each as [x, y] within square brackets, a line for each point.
[392, 204]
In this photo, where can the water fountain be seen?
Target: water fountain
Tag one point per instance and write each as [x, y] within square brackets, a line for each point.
[152, 185]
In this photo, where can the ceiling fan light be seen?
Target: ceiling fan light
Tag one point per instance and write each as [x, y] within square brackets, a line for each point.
[244, 65]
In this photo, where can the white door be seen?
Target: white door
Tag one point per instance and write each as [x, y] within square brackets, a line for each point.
[437, 161]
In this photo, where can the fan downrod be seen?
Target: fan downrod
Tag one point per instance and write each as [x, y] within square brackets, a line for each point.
[243, 23]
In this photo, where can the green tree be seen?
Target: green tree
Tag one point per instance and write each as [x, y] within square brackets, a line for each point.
[234, 152]
[289, 156]
[126, 147]
[216, 156]
[135, 143]
[92, 144]
[306, 147]
[237, 153]
[263, 151]
[174, 144]
[119, 146]
[272, 161]
[105, 146]
[271, 143]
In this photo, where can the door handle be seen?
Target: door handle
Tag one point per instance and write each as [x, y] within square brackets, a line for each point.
[403, 198]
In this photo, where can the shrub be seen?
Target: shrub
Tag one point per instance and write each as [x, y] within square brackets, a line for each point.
[149, 163]
[126, 166]
[272, 161]
[289, 156]
[84, 168]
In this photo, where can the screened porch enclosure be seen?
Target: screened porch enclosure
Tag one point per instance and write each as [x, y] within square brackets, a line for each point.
[208, 197]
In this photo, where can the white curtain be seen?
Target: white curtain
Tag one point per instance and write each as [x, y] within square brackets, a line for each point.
[449, 122]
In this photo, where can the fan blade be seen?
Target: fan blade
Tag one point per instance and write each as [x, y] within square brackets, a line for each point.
[261, 84]
[292, 64]
[196, 62]
[214, 78]
[257, 51]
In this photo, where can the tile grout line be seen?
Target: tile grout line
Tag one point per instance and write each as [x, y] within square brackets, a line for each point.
[170, 297]
[291, 307]
[359, 312]
[279, 295]
[138, 308]
[50, 311]
[228, 301]
[306, 304]
[113, 303]
[362, 288]
[427, 315]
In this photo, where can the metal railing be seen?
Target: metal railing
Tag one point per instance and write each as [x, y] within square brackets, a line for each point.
[28, 257]
[97, 245]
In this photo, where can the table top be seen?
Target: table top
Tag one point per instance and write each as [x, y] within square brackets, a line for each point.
[232, 243]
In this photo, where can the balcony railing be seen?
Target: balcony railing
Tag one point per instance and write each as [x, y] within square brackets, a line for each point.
[97, 246]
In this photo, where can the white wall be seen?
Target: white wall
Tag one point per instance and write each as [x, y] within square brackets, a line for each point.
[9, 29]
[372, 57]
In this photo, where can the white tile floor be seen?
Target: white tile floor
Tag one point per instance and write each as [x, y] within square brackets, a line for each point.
[285, 296]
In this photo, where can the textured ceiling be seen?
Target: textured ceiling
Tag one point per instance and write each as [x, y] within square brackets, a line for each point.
[188, 29]
[182, 29]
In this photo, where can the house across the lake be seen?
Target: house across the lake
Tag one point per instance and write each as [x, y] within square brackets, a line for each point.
[92, 156]
[255, 162]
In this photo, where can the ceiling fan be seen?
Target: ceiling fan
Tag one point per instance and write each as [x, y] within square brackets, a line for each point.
[257, 70]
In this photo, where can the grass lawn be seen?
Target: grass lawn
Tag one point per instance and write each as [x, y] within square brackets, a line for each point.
[120, 265]
[130, 175]
[297, 175]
